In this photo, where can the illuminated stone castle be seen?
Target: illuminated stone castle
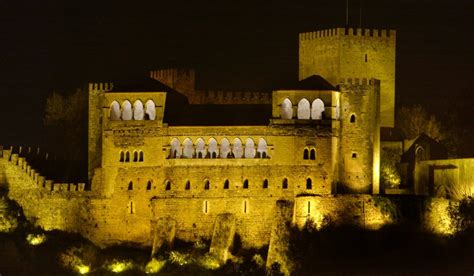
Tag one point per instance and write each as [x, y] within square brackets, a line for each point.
[167, 159]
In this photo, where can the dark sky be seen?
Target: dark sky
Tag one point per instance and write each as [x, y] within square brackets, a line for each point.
[59, 45]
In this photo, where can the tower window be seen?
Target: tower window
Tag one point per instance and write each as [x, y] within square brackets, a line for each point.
[284, 184]
[226, 184]
[127, 156]
[135, 156]
[309, 184]
[140, 157]
[353, 118]
[130, 185]
[246, 184]
[265, 183]
[206, 185]
[167, 185]
[306, 154]
[188, 185]
[354, 155]
[122, 156]
[148, 185]
[312, 154]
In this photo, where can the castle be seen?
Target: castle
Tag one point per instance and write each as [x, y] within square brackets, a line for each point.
[169, 160]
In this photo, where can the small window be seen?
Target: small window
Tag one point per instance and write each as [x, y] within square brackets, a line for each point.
[135, 156]
[127, 156]
[309, 184]
[167, 185]
[312, 154]
[148, 185]
[226, 184]
[365, 57]
[246, 184]
[206, 185]
[188, 185]
[265, 183]
[353, 118]
[354, 155]
[130, 185]
[205, 207]
[140, 159]
[284, 184]
[306, 154]
[122, 156]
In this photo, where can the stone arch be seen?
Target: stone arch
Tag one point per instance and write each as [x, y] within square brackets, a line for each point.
[317, 109]
[249, 148]
[138, 112]
[212, 148]
[175, 148]
[225, 148]
[150, 110]
[188, 148]
[312, 154]
[237, 149]
[115, 112]
[304, 110]
[200, 148]
[262, 150]
[127, 112]
[286, 110]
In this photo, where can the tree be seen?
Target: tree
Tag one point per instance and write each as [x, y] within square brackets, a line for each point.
[65, 119]
[415, 120]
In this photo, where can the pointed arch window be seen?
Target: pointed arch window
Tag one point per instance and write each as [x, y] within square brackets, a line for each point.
[115, 112]
[317, 109]
[135, 156]
[140, 157]
[188, 185]
[207, 185]
[127, 112]
[148, 185]
[122, 156]
[226, 184]
[127, 156]
[304, 110]
[312, 154]
[167, 185]
[306, 154]
[286, 111]
[138, 113]
[309, 184]
[246, 184]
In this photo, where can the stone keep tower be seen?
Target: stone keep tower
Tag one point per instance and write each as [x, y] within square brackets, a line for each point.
[340, 53]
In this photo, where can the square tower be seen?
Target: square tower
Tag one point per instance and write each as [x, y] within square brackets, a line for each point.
[338, 54]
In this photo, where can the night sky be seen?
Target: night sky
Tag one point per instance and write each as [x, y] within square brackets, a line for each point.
[60, 45]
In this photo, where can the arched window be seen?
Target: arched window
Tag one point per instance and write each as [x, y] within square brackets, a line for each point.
[138, 113]
[419, 153]
[206, 185]
[122, 156]
[150, 112]
[309, 184]
[306, 154]
[249, 148]
[126, 111]
[127, 156]
[304, 111]
[225, 148]
[265, 183]
[246, 184]
[115, 112]
[312, 154]
[175, 148]
[135, 156]
[284, 184]
[200, 148]
[317, 109]
[140, 158]
[167, 185]
[262, 148]
[237, 148]
[212, 148]
[353, 118]
[130, 185]
[286, 111]
[148, 185]
[188, 148]
[188, 185]
[226, 184]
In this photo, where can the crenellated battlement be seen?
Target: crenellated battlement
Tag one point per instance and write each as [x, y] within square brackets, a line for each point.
[40, 181]
[359, 81]
[233, 97]
[171, 72]
[339, 32]
[101, 86]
